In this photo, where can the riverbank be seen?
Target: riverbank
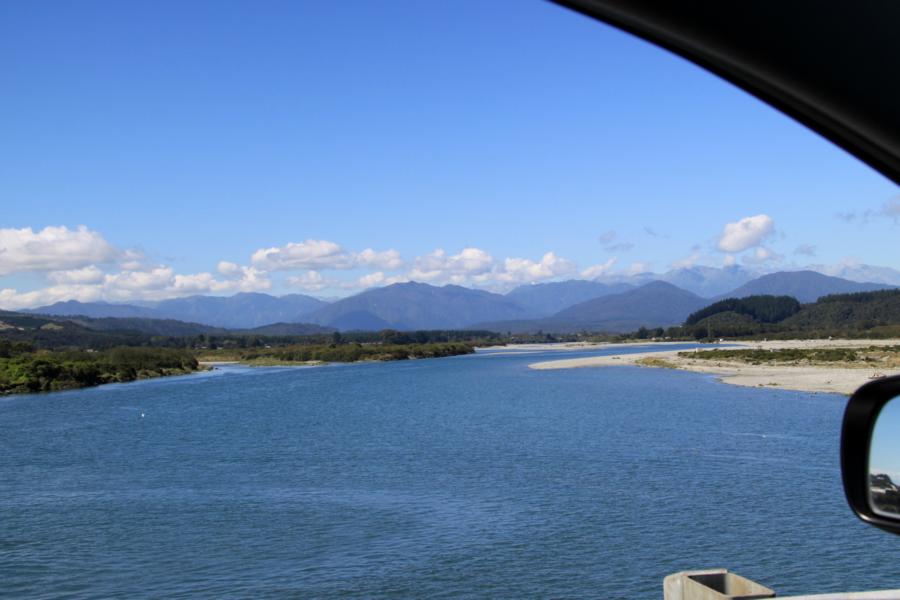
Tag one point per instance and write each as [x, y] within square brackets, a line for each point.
[809, 376]
[311, 355]
[573, 346]
[49, 371]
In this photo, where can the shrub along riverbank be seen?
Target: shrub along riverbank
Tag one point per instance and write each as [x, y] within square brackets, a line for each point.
[23, 369]
[352, 352]
[869, 356]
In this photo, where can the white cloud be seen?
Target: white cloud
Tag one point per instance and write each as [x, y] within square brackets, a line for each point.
[637, 268]
[132, 260]
[377, 279]
[311, 280]
[52, 249]
[599, 270]
[805, 250]
[470, 260]
[309, 254]
[687, 262]
[523, 270]
[89, 274]
[138, 281]
[11, 299]
[761, 255]
[729, 260]
[247, 279]
[153, 284]
[456, 268]
[228, 269]
[322, 254]
[746, 233]
[389, 259]
[473, 266]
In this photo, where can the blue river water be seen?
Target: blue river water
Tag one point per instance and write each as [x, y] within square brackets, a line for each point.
[470, 476]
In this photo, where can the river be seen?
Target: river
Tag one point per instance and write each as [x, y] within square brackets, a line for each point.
[470, 476]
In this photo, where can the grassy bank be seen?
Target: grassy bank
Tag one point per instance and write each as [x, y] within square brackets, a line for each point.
[869, 356]
[353, 352]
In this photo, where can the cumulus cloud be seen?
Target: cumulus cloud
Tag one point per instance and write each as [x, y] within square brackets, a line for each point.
[244, 279]
[132, 259]
[637, 268]
[12, 299]
[155, 283]
[228, 269]
[729, 260]
[455, 268]
[761, 255]
[687, 262]
[89, 274]
[470, 260]
[315, 281]
[377, 279]
[52, 249]
[523, 270]
[140, 281]
[317, 255]
[747, 233]
[311, 280]
[309, 254]
[599, 270]
[389, 259]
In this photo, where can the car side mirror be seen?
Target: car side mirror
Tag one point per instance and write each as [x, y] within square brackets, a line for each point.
[870, 453]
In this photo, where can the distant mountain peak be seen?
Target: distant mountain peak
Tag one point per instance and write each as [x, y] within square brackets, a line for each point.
[245, 310]
[414, 305]
[804, 285]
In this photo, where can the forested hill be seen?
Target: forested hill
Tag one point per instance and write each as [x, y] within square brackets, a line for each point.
[873, 314]
[866, 310]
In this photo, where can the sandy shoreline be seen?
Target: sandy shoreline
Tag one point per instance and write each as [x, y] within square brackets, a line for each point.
[842, 379]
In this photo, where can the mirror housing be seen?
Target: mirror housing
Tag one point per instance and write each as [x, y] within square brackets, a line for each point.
[860, 418]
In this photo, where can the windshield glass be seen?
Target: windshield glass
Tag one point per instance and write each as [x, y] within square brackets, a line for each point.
[420, 299]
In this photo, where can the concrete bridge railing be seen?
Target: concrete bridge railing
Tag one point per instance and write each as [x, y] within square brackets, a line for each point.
[719, 584]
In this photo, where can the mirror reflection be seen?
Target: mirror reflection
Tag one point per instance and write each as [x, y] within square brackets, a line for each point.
[884, 462]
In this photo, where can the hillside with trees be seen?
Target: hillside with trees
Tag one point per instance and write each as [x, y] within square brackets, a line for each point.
[863, 314]
[25, 369]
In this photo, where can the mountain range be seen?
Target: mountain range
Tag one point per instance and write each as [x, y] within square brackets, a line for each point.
[805, 286]
[241, 311]
[545, 299]
[655, 304]
[410, 306]
[564, 306]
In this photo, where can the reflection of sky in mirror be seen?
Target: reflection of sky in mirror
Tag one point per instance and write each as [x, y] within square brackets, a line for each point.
[884, 455]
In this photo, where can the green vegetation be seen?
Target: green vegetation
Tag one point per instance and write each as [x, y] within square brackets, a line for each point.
[352, 352]
[24, 369]
[659, 363]
[762, 309]
[39, 353]
[874, 315]
[882, 356]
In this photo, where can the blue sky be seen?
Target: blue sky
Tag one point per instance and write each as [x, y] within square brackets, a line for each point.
[458, 142]
[885, 451]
